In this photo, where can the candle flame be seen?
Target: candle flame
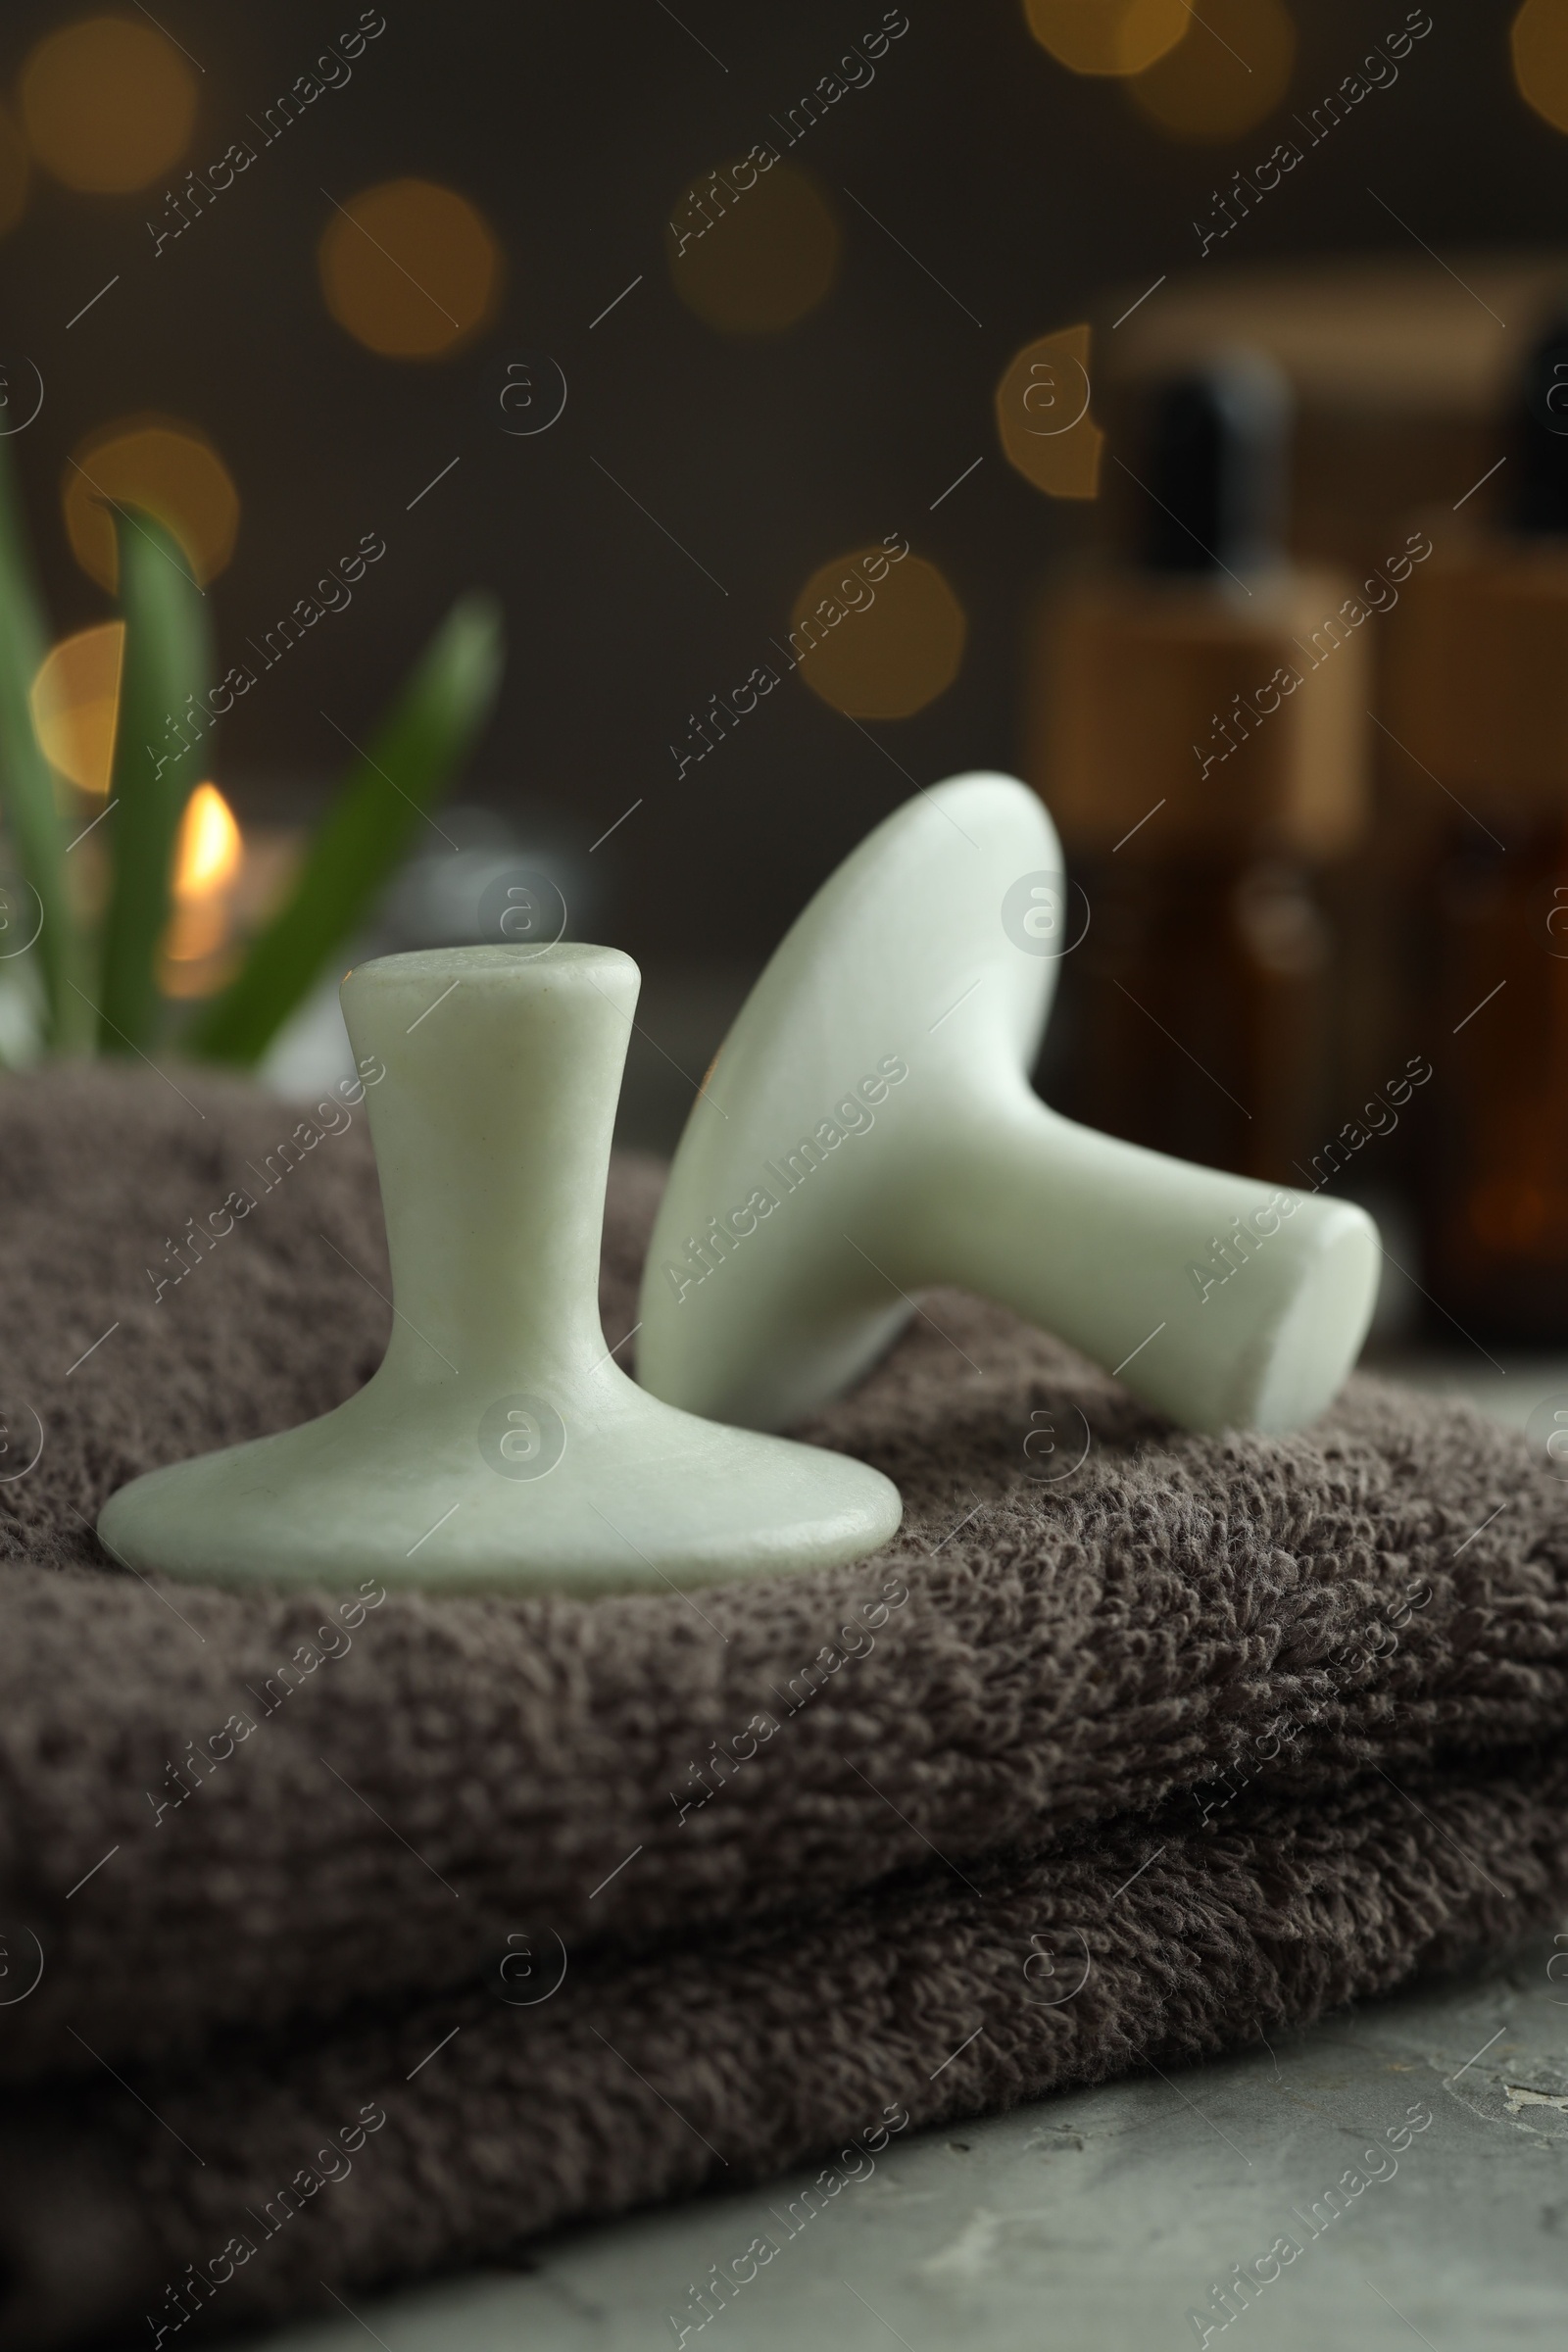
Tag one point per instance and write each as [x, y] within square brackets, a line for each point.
[207, 855]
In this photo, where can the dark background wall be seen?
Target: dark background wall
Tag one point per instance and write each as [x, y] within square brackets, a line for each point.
[1022, 187]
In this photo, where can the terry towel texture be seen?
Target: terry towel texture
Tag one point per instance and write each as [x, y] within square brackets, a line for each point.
[420, 1925]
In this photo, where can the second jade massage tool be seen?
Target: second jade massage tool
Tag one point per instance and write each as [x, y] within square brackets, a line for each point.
[499, 1446]
[868, 1132]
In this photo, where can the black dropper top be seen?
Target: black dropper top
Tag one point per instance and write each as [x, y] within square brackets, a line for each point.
[1539, 486]
[1217, 468]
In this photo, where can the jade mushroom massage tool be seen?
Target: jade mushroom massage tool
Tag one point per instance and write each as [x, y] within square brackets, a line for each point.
[499, 1446]
[868, 1130]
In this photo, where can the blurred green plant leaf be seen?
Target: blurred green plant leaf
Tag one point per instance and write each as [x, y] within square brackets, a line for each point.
[411, 761]
[27, 787]
[168, 659]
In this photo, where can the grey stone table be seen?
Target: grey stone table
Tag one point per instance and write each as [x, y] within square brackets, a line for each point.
[1104, 2221]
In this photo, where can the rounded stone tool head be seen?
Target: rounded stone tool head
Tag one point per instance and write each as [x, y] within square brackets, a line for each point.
[498, 1447]
[868, 1132]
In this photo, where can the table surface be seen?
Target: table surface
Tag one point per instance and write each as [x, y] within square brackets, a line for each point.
[1100, 2220]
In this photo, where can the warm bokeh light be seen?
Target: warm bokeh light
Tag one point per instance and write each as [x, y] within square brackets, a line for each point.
[1232, 68]
[171, 469]
[882, 637]
[14, 172]
[109, 105]
[753, 250]
[207, 856]
[411, 270]
[1044, 418]
[1106, 36]
[74, 701]
[1539, 44]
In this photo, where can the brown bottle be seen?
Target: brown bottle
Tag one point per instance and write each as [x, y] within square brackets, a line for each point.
[1198, 729]
[1476, 702]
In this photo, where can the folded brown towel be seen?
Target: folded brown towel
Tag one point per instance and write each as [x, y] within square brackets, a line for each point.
[1095, 1765]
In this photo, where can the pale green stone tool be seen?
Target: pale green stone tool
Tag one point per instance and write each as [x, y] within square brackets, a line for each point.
[868, 1132]
[499, 1446]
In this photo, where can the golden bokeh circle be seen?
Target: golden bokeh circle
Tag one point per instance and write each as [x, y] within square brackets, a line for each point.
[74, 701]
[170, 468]
[878, 647]
[1106, 36]
[752, 249]
[107, 104]
[1232, 68]
[1539, 42]
[1042, 415]
[411, 269]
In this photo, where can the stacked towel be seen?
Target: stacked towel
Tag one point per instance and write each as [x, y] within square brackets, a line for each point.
[349, 1937]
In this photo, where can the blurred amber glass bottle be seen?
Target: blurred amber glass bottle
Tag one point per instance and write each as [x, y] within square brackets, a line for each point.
[1197, 725]
[1475, 700]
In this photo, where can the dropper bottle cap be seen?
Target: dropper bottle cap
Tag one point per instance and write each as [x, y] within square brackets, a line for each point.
[1476, 679]
[1218, 439]
[1539, 486]
[1190, 680]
